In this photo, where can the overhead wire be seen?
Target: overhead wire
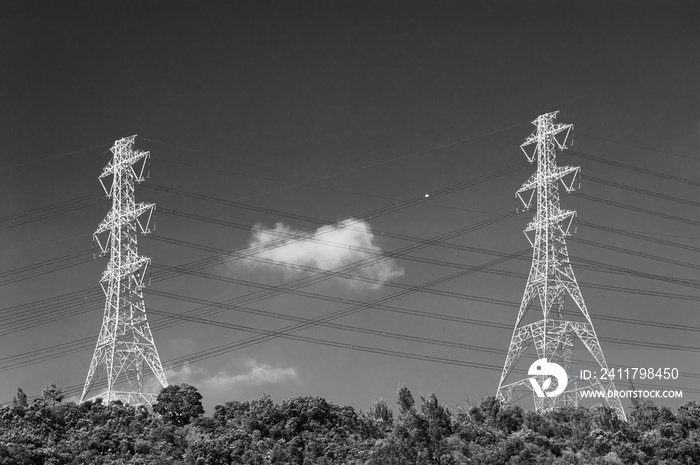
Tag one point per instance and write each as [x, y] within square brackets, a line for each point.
[52, 157]
[655, 173]
[372, 214]
[306, 281]
[55, 209]
[594, 179]
[589, 224]
[313, 295]
[444, 293]
[588, 264]
[336, 315]
[207, 353]
[364, 217]
[472, 321]
[380, 211]
[636, 146]
[385, 162]
[586, 177]
[443, 244]
[638, 190]
[41, 213]
[646, 211]
[611, 341]
[221, 306]
[44, 267]
[639, 236]
[183, 360]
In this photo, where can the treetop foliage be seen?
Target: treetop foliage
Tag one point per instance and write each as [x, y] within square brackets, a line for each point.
[312, 430]
[179, 404]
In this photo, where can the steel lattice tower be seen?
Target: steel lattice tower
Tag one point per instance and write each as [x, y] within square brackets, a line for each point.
[551, 278]
[125, 347]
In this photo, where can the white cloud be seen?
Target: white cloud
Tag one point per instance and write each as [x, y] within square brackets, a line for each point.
[256, 374]
[326, 248]
[182, 375]
[174, 376]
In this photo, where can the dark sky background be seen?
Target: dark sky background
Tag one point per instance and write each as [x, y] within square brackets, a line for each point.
[330, 110]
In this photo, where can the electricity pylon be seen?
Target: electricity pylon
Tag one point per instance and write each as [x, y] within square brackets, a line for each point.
[550, 281]
[125, 346]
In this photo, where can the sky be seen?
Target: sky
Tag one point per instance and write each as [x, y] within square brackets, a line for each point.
[359, 124]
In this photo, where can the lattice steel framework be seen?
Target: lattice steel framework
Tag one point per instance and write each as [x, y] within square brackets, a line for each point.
[125, 347]
[551, 278]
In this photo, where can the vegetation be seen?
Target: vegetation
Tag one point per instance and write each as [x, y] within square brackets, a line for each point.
[311, 430]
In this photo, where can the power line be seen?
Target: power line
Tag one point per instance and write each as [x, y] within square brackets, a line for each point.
[598, 180]
[40, 244]
[636, 235]
[384, 210]
[456, 295]
[374, 213]
[41, 213]
[658, 174]
[367, 216]
[590, 178]
[435, 262]
[20, 328]
[275, 290]
[44, 267]
[646, 211]
[635, 253]
[417, 313]
[498, 302]
[592, 265]
[641, 191]
[379, 163]
[53, 157]
[666, 152]
[461, 247]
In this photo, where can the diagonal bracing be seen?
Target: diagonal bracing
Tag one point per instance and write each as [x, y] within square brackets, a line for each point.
[551, 282]
[125, 350]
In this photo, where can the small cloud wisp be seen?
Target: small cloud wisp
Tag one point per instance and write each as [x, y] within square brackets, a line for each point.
[257, 374]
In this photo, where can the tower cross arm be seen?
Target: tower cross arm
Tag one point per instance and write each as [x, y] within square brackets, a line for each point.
[559, 217]
[569, 175]
[529, 147]
[560, 134]
[529, 184]
[562, 172]
[107, 223]
[559, 172]
[559, 127]
[121, 161]
[562, 222]
[527, 191]
[115, 219]
[545, 129]
[129, 267]
[118, 164]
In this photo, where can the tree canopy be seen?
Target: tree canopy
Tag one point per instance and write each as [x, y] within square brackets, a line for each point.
[312, 430]
[179, 404]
